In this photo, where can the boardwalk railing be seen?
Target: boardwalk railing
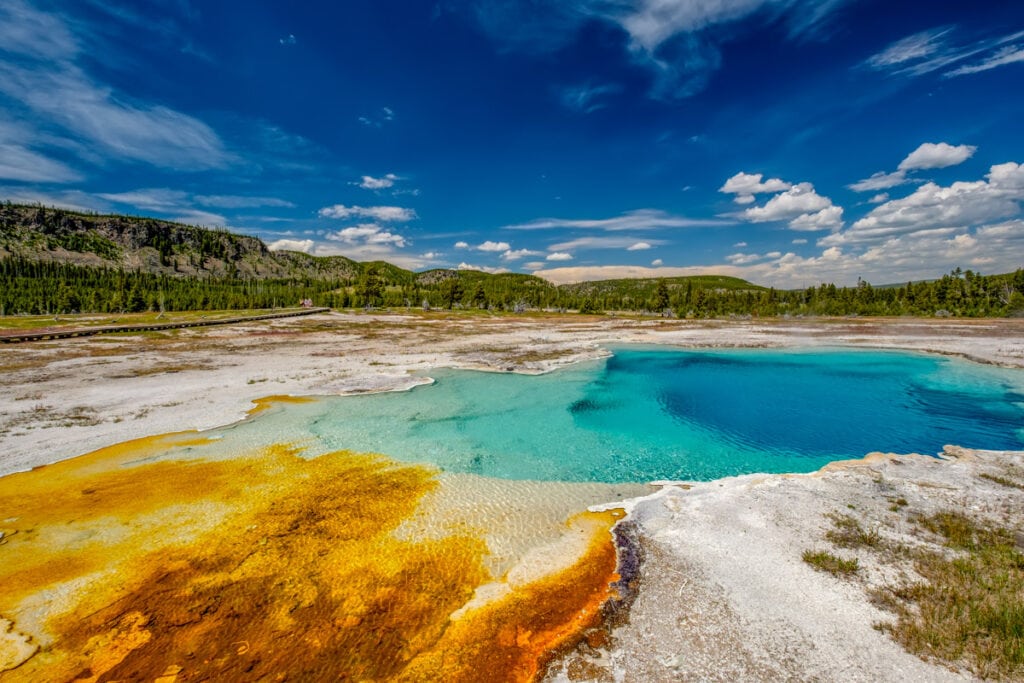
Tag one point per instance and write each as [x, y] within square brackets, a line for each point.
[114, 329]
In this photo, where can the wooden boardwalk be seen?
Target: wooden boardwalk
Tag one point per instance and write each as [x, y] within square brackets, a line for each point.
[115, 329]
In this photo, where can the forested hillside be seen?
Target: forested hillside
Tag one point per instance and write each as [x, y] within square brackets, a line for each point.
[152, 246]
[55, 261]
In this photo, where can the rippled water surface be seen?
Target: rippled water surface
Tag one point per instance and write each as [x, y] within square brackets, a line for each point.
[648, 414]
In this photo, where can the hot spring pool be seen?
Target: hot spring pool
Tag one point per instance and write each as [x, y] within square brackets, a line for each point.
[649, 414]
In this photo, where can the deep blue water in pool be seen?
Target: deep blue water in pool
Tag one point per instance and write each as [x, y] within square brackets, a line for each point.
[646, 414]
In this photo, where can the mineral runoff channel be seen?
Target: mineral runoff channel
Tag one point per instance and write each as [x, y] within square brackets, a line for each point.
[156, 559]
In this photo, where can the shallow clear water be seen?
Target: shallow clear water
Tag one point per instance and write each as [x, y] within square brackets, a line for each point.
[647, 414]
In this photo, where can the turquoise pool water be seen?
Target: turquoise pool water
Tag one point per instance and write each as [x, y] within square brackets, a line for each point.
[649, 414]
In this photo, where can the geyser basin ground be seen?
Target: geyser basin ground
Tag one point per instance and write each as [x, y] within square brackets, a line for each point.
[188, 556]
[655, 414]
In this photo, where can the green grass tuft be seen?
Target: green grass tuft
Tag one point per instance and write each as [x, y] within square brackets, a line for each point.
[827, 562]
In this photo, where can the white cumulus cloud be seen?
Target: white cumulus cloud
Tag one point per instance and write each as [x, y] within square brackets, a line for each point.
[828, 218]
[516, 254]
[802, 206]
[367, 233]
[932, 206]
[936, 155]
[493, 246]
[927, 156]
[305, 246]
[371, 183]
[746, 185]
[639, 246]
[559, 256]
[482, 269]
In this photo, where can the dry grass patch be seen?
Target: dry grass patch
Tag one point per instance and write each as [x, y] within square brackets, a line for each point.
[525, 354]
[1005, 481]
[41, 415]
[12, 363]
[162, 369]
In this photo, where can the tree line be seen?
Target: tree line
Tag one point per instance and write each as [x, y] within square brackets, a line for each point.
[43, 287]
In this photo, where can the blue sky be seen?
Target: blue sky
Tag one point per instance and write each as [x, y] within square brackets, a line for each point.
[790, 142]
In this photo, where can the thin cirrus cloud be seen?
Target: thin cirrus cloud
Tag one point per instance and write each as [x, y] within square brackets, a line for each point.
[640, 219]
[241, 201]
[929, 155]
[159, 199]
[202, 218]
[1007, 55]
[74, 200]
[587, 98]
[18, 161]
[912, 49]
[22, 164]
[176, 205]
[385, 115]
[605, 242]
[91, 117]
[935, 51]
[388, 214]
[182, 206]
[678, 42]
